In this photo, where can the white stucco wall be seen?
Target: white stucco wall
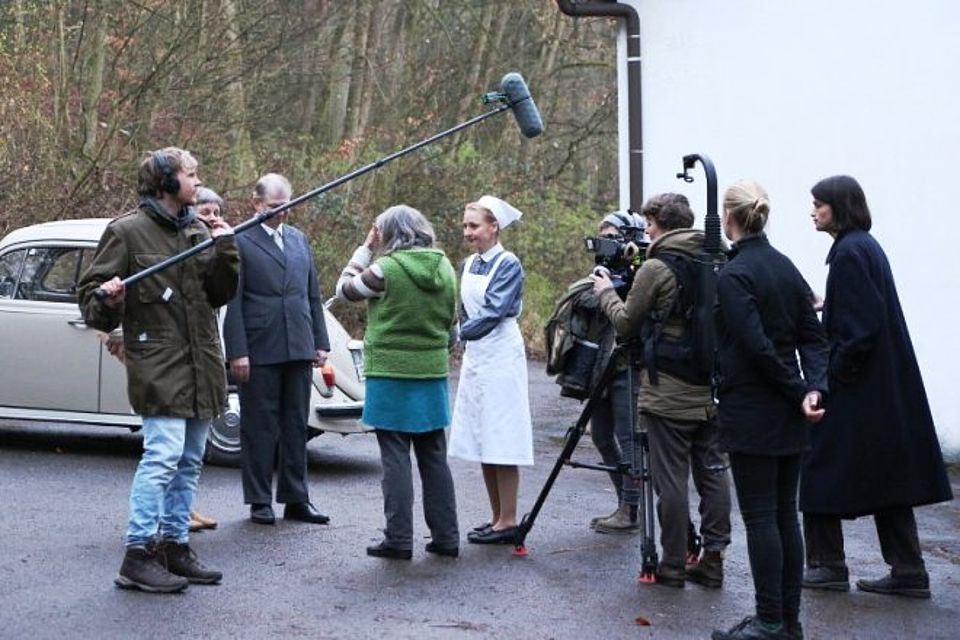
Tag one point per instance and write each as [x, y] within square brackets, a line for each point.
[790, 92]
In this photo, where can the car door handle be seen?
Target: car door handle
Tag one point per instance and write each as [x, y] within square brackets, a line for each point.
[77, 322]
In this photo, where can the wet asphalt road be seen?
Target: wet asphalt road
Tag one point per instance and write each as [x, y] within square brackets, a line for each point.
[64, 509]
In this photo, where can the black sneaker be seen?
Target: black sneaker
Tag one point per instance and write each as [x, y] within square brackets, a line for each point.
[794, 630]
[142, 570]
[827, 578]
[917, 586]
[180, 560]
[750, 628]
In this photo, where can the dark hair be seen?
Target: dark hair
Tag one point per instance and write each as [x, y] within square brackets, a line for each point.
[669, 210]
[847, 202]
[151, 175]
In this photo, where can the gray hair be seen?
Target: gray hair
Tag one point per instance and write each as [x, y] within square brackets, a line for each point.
[272, 185]
[206, 196]
[403, 227]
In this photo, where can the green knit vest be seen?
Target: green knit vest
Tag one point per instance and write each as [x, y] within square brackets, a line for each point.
[408, 327]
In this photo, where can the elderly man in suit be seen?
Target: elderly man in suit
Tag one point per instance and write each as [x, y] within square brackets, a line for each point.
[274, 332]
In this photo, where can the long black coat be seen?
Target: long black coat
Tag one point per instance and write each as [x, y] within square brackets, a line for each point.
[876, 448]
[764, 318]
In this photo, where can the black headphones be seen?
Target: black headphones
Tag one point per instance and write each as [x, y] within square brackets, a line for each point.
[168, 180]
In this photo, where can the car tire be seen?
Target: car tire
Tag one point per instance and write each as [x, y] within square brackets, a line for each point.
[223, 439]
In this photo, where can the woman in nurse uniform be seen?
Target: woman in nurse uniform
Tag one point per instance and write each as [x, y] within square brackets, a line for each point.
[491, 415]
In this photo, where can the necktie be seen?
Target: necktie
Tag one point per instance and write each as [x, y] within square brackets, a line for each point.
[278, 238]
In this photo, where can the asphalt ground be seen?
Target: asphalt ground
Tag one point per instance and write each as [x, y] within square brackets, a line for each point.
[64, 506]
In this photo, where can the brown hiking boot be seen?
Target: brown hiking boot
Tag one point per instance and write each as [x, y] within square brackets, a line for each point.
[623, 520]
[180, 560]
[709, 570]
[142, 570]
[671, 576]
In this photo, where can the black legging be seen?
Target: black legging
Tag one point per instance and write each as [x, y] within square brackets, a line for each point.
[767, 493]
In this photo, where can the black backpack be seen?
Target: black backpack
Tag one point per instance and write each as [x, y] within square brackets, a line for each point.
[690, 356]
[574, 353]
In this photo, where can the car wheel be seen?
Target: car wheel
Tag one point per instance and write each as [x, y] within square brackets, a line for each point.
[223, 439]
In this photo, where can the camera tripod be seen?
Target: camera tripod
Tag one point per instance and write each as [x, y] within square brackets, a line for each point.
[640, 466]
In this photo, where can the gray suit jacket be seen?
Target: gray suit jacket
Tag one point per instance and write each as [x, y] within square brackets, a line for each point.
[277, 314]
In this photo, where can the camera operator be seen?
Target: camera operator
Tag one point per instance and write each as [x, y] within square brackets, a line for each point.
[611, 425]
[679, 416]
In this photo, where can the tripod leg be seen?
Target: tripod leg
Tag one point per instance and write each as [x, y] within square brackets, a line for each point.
[648, 546]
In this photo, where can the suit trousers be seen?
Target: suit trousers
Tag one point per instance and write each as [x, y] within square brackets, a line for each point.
[677, 448]
[274, 406]
[896, 529]
[439, 499]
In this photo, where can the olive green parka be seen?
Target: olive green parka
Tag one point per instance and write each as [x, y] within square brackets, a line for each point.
[174, 359]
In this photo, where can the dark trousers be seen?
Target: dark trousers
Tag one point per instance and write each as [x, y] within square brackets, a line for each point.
[677, 448]
[896, 529]
[613, 430]
[767, 492]
[274, 405]
[439, 499]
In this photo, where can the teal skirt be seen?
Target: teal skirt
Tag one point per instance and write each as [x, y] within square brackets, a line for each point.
[409, 405]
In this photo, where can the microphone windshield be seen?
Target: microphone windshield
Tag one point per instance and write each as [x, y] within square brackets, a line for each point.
[522, 105]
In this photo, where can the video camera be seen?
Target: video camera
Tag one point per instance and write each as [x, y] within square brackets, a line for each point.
[622, 253]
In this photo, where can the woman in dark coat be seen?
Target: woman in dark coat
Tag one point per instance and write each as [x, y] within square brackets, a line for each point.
[877, 451]
[765, 318]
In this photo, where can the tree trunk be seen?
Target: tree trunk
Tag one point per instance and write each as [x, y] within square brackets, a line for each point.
[238, 137]
[93, 76]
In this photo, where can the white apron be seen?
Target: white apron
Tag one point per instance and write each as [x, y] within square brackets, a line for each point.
[491, 415]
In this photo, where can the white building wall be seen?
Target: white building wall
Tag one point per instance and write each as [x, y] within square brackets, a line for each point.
[790, 92]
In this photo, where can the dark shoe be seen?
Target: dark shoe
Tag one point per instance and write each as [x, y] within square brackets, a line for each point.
[827, 578]
[141, 570]
[451, 551]
[917, 586]
[671, 577]
[793, 630]
[492, 536]
[750, 628]
[383, 550]
[304, 512]
[180, 560]
[483, 527]
[262, 514]
[708, 571]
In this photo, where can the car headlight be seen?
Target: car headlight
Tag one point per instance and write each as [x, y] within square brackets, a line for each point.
[356, 353]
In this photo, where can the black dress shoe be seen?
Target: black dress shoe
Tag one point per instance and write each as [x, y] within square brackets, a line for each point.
[483, 527]
[492, 536]
[826, 578]
[916, 586]
[304, 512]
[262, 514]
[383, 550]
[451, 551]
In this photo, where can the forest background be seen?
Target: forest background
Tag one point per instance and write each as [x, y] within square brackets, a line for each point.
[313, 89]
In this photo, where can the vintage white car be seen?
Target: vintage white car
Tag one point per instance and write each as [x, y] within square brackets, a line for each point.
[56, 369]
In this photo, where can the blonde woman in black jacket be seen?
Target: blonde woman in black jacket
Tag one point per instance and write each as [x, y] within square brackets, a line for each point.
[765, 317]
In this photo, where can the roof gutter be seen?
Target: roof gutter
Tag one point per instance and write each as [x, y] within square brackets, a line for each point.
[613, 9]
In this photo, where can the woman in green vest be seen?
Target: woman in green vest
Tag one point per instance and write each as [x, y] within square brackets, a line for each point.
[410, 289]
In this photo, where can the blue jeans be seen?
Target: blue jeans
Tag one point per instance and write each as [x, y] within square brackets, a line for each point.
[166, 479]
